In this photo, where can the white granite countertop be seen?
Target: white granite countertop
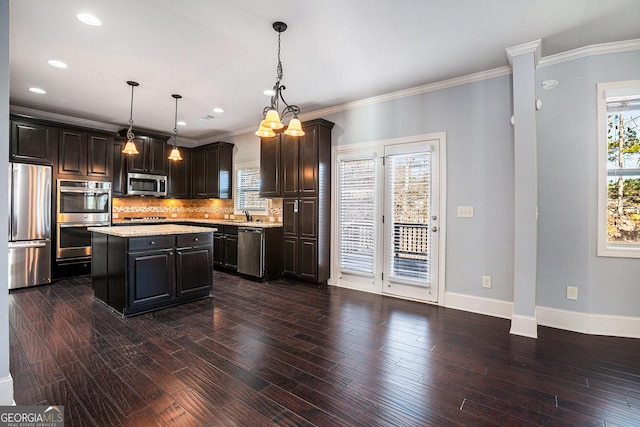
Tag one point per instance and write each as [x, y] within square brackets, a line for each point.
[150, 230]
[239, 223]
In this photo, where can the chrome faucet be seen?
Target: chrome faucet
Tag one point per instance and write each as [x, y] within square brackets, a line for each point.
[246, 214]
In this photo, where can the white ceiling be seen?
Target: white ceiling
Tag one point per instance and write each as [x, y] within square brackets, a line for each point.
[223, 53]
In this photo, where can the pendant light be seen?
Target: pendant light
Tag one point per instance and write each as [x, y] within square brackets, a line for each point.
[175, 153]
[272, 120]
[130, 146]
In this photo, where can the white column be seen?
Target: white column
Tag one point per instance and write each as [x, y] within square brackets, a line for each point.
[6, 382]
[524, 59]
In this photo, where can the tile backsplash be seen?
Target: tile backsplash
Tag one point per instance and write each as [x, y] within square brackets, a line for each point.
[140, 207]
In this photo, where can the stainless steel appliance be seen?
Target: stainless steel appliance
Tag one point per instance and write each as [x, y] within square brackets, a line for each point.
[250, 251]
[29, 225]
[142, 184]
[80, 204]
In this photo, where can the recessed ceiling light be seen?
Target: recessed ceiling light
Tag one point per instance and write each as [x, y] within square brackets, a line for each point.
[269, 92]
[37, 90]
[89, 19]
[182, 123]
[56, 63]
[218, 110]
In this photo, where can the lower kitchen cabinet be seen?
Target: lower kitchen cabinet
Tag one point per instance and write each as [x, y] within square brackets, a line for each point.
[150, 278]
[192, 253]
[139, 274]
[225, 248]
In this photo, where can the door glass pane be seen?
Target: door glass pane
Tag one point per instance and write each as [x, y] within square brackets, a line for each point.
[357, 215]
[409, 194]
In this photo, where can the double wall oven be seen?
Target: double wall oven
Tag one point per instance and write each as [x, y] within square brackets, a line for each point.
[80, 204]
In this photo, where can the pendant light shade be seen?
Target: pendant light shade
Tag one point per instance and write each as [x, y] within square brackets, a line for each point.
[294, 128]
[130, 146]
[265, 132]
[175, 153]
[272, 120]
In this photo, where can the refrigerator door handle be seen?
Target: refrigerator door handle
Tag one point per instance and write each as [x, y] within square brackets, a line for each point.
[23, 245]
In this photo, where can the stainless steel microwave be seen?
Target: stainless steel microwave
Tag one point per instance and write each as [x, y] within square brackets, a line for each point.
[142, 184]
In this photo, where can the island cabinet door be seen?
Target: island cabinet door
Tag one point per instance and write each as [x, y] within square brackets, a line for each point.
[151, 279]
[193, 271]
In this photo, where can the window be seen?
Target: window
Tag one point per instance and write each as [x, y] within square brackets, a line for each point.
[248, 191]
[619, 173]
[357, 215]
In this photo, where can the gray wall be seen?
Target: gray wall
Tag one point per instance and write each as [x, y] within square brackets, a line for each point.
[4, 196]
[567, 191]
[476, 119]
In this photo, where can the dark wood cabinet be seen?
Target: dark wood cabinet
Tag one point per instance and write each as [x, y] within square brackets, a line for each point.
[270, 181]
[225, 248]
[84, 154]
[150, 277]
[192, 253]
[306, 190]
[139, 274]
[179, 176]
[231, 251]
[212, 171]
[32, 142]
[119, 169]
[151, 158]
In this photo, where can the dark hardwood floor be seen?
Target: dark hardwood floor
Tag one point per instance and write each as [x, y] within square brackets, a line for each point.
[288, 354]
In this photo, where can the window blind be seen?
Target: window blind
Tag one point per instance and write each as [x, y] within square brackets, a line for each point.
[357, 215]
[248, 191]
[409, 187]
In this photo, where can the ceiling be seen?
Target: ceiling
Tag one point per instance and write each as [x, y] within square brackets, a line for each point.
[218, 53]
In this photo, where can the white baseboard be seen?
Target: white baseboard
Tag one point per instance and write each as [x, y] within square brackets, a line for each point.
[525, 326]
[6, 391]
[586, 323]
[480, 305]
[575, 321]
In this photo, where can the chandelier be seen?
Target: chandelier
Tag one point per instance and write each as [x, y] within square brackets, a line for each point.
[271, 122]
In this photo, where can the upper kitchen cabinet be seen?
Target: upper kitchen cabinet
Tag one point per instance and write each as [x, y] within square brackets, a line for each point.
[212, 171]
[151, 156]
[270, 181]
[84, 154]
[179, 175]
[32, 142]
[290, 166]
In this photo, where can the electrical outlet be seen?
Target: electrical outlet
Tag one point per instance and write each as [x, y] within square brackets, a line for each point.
[230, 217]
[486, 281]
[465, 211]
[279, 219]
[272, 219]
[174, 215]
[572, 292]
[115, 216]
[206, 215]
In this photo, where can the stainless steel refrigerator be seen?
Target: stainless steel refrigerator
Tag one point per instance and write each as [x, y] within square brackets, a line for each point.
[29, 225]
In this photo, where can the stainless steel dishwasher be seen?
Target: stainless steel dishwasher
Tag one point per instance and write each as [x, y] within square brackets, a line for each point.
[250, 251]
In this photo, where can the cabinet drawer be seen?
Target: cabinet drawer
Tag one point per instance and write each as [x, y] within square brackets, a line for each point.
[194, 239]
[150, 243]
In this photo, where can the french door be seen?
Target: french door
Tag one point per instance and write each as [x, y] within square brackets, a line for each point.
[411, 218]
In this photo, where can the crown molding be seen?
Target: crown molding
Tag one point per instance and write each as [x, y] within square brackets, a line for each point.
[77, 121]
[431, 87]
[524, 48]
[592, 50]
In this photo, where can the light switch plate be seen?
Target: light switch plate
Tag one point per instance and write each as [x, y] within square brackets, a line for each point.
[465, 211]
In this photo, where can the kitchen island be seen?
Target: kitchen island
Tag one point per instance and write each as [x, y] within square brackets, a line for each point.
[141, 268]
